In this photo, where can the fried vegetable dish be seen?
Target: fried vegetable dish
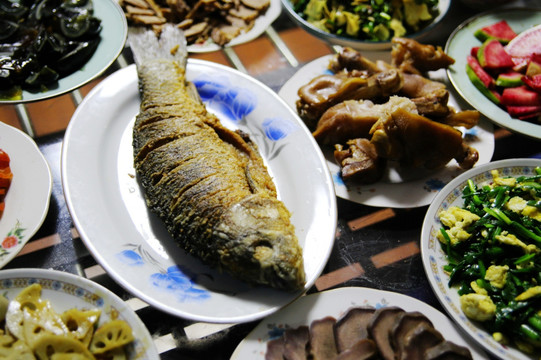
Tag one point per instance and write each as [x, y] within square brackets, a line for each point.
[43, 41]
[493, 245]
[372, 20]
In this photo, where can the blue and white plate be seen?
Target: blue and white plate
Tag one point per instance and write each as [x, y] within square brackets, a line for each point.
[397, 189]
[109, 210]
[113, 34]
[434, 259]
[66, 291]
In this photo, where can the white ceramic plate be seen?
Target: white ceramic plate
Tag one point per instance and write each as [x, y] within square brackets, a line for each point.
[434, 259]
[27, 200]
[459, 45]
[109, 212]
[393, 190]
[260, 26]
[443, 8]
[67, 291]
[335, 303]
[113, 37]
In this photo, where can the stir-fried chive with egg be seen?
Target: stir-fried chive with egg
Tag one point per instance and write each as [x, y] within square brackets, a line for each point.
[373, 20]
[493, 246]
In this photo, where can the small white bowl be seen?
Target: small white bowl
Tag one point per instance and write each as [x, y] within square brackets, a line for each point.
[357, 44]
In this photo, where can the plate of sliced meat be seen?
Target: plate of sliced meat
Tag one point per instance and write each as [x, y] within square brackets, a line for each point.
[26, 185]
[351, 102]
[204, 24]
[384, 323]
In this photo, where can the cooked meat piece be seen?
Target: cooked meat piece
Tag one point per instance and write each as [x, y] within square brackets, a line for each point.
[147, 19]
[244, 13]
[354, 118]
[417, 86]
[296, 343]
[359, 162]
[346, 120]
[434, 105]
[447, 350]
[178, 7]
[352, 327]
[380, 329]
[417, 141]
[403, 325]
[465, 118]
[275, 349]
[134, 10]
[418, 340]
[259, 5]
[322, 343]
[349, 59]
[224, 34]
[413, 57]
[325, 91]
[362, 350]
[196, 30]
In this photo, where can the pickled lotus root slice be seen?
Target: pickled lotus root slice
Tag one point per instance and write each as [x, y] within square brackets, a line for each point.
[51, 347]
[28, 298]
[14, 349]
[111, 335]
[80, 323]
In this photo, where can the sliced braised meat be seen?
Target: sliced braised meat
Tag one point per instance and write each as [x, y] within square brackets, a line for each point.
[352, 327]
[448, 350]
[405, 323]
[322, 342]
[296, 343]
[349, 59]
[362, 350]
[275, 349]
[418, 340]
[380, 329]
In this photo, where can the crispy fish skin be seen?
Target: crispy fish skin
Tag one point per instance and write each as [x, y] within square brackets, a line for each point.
[209, 184]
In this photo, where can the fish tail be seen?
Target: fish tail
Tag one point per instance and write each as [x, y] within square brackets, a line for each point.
[170, 44]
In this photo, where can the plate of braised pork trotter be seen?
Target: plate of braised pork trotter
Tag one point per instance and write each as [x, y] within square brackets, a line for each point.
[357, 323]
[392, 130]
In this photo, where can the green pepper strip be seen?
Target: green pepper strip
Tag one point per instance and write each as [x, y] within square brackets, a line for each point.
[535, 321]
[530, 332]
[521, 229]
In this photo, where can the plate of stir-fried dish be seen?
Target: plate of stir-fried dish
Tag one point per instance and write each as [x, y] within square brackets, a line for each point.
[221, 211]
[480, 249]
[352, 102]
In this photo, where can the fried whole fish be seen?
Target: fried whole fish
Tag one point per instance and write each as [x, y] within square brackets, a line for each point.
[207, 183]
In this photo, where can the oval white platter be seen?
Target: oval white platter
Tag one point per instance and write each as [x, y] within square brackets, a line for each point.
[411, 188]
[110, 213]
[28, 197]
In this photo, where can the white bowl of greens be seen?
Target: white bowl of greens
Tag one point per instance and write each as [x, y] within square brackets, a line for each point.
[451, 269]
[366, 25]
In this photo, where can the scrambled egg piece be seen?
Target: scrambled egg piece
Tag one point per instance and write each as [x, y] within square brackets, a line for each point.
[509, 181]
[477, 306]
[510, 239]
[456, 219]
[531, 292]
[497, 275]
[520, 206]
[478, 289]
